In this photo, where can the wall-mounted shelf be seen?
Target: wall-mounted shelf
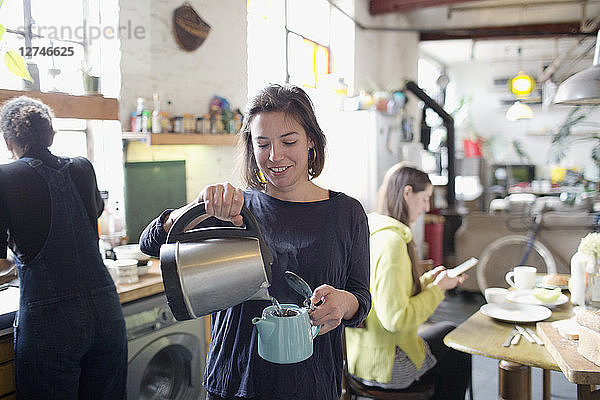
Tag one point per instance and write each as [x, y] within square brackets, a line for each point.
[182, 138]
[68, 106]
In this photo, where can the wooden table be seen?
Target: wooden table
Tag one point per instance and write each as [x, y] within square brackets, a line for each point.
[575, 367]
[484, 336]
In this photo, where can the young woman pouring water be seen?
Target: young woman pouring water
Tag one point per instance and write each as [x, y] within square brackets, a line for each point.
[319, 234]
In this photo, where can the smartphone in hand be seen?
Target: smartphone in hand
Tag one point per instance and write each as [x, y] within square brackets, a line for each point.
[462, 268]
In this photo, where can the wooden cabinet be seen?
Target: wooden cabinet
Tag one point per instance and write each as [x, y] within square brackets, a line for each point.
[7, 368]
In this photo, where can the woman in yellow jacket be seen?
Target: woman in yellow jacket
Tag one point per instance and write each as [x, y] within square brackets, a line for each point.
[388, 353]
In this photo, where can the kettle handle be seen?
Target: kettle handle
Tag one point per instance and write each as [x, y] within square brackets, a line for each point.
[177, 233]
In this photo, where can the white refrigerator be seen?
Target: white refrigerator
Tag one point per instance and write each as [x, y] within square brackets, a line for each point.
[361, 147]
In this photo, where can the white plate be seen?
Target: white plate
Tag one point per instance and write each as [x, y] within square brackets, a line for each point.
[527, 297]
[515, 312]
[539, 283]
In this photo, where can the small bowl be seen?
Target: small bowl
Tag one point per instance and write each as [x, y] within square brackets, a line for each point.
[495, 295]
[125, 270]
[132, 251]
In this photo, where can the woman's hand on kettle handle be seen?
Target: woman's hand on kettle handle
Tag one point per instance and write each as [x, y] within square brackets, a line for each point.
[336, 305]
[224, 201]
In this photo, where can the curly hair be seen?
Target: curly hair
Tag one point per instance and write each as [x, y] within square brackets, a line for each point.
[295, 103]
[27, 123]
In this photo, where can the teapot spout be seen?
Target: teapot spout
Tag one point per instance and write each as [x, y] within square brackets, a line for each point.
[265, 328]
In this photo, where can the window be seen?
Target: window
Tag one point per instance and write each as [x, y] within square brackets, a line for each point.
[298, 41]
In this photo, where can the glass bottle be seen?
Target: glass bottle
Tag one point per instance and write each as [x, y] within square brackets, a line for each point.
[592, 285]
[156, 119]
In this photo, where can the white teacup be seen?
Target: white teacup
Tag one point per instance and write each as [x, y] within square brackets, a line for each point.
[495, 294]
[522, 277]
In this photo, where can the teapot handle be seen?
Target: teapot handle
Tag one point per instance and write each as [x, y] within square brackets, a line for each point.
[252, 230]
[315, 330]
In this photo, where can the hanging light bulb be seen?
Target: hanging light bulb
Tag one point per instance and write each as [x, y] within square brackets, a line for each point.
[522, 84]
[519, 111]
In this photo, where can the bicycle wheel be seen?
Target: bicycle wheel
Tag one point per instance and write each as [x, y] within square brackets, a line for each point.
[503, 254]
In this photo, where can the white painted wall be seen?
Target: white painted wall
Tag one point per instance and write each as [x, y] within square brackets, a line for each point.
[383, 59]
[155, 63]
[487, 115]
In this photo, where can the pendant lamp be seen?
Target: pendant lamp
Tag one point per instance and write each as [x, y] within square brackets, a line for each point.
[584, 86]
[519, 111]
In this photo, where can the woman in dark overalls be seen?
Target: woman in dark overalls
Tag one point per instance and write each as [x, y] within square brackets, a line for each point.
[70, 339]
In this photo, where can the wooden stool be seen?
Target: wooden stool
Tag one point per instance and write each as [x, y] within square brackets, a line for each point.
[514, 381]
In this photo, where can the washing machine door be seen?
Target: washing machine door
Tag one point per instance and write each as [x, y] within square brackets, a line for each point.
[167, 368]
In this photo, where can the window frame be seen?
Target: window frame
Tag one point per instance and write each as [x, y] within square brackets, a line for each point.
[316, 45]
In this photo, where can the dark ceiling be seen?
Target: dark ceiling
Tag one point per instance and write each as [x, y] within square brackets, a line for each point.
[566, 24]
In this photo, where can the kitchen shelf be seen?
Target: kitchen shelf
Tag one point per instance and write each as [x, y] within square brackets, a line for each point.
[68, 106]
[182, 138]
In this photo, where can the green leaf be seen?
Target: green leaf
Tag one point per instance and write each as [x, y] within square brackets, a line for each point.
[2, 28]
[15, 64]
[596, 154]
[1, 2]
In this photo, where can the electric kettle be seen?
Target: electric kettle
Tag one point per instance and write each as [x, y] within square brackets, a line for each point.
[209, 269]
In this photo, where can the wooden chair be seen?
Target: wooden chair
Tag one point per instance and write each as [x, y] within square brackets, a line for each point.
[422, 390]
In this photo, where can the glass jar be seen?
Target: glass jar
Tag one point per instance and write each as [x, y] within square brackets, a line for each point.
[592, 285]
[178, 124]
[189, 123]
[124, 271]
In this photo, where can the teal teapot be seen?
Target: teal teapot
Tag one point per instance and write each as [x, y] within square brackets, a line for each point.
[285, 333]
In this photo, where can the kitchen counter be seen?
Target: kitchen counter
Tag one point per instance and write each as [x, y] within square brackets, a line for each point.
[148, 285]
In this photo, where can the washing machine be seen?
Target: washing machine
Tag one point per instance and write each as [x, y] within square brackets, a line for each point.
[166, 358]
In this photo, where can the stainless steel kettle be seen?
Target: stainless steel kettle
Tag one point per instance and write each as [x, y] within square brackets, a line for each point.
[213, 268]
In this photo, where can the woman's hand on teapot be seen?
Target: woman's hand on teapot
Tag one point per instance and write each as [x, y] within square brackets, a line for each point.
[223, 201]
[335, 305]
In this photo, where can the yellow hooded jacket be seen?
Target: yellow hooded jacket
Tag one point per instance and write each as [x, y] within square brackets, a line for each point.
[395, 313]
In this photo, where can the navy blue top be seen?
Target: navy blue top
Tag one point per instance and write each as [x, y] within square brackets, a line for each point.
[325, 242]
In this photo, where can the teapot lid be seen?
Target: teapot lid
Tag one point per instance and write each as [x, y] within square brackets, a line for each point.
[299, 285]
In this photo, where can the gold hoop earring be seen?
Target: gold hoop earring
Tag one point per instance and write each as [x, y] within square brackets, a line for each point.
[312, 157]
[260, 177]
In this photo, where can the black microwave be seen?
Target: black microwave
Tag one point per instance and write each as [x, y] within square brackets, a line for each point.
[507, 175]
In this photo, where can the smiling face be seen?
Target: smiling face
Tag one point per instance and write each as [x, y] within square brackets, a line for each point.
[280, 147]
[417, 202]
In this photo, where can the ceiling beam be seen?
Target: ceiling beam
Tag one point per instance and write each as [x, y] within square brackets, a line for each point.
[499, 32]
[386, 6]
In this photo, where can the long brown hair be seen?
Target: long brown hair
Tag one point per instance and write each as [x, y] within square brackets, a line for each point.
[295, 103]
[391, 203]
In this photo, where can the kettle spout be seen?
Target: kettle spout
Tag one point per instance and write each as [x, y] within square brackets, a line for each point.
[262, 293]
[265, 328]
